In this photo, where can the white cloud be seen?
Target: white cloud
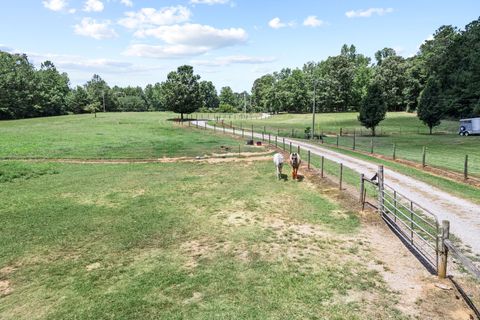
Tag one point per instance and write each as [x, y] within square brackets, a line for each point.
[164, 52]
[93, 6]
[313, 21]
[224, 61]
[185, 40]
[367, 13]
[148, 17]
[209, 2]
[127, 3]
[89, 27]
[55, 5]
[276, 23]
[196, 35]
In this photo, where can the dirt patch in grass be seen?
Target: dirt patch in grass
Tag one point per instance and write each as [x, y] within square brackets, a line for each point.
[5, 288]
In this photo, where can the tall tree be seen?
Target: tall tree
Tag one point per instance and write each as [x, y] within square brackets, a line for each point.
[182, 91]
[228, 97]
[209, 95]
[52, 90]
[430, 110]
[373, 108]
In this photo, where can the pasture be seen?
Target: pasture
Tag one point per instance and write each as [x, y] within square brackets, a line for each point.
[112, 135]
[184, 240]
[445, 148]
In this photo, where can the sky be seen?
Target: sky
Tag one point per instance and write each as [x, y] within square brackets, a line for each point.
[228, 42]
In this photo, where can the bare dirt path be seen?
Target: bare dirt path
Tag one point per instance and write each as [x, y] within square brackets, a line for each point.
[464, 215]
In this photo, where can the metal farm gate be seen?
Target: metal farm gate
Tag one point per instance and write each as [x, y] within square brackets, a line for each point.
[415, 225]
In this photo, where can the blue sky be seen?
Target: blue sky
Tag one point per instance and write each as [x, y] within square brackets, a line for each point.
[229, 42]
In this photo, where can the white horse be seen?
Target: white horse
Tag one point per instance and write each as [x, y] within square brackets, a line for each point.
[278, 160]
[295, 162]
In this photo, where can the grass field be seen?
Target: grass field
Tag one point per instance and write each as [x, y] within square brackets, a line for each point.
[178, 241]
[111, 135]
[444, 150]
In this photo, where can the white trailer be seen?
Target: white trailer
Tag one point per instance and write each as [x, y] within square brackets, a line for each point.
[469, 126]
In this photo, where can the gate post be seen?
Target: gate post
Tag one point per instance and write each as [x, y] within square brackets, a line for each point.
[442, 267]
[380, 190]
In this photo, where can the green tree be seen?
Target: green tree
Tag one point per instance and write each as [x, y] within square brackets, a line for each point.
[373, 108]
[155, 97]
[182, 91]
[430, 111]
[77, 100]
[228, 97]
[209, 95]
[52, 90]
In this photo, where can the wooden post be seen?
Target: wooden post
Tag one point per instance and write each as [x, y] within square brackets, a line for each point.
[354, 137]
[283, 144]
[362, 186]
[465, 168]
[323, 162]
[269, 138]
[337, 140]
[223, 125]
[442, 266]
[293, 132]
[252, 131]
[394, 156]
[196, 123]
[424, 156]
[263, 136]
[371, 146]
[341, 176]
[243, 133]
[276, 141]
[340, 132]
[298, 149]
[308, 159]
[231, 124]
[380, 190]
[290, 146]
[233, 128]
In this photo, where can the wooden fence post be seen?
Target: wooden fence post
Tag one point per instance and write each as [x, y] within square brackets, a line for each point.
[263, 136]
[308, 159]
[394, 156]
[337, 140]
[233, 128]
[354, 137]
[243, 133]
[442, 266]
[322, 163]
[284, 144]
[340, 132]
[290, 146]
[298, 149]
[223, 125]
[424, 154]
[371, 146]
[341, 177]
[276, 141]
[252, 132]
[465, 168]
[362, 186]
[269, 138]
[380, 190]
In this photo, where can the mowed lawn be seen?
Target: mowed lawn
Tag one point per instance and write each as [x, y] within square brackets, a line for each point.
[179, 241]
[445, 148]
[110, 135]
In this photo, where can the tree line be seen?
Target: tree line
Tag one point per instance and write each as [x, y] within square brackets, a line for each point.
[27, 92]
[441, 81]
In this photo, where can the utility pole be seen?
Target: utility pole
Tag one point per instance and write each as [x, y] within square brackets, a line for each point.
[245, 102]
[103, 96]
[314, 107]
